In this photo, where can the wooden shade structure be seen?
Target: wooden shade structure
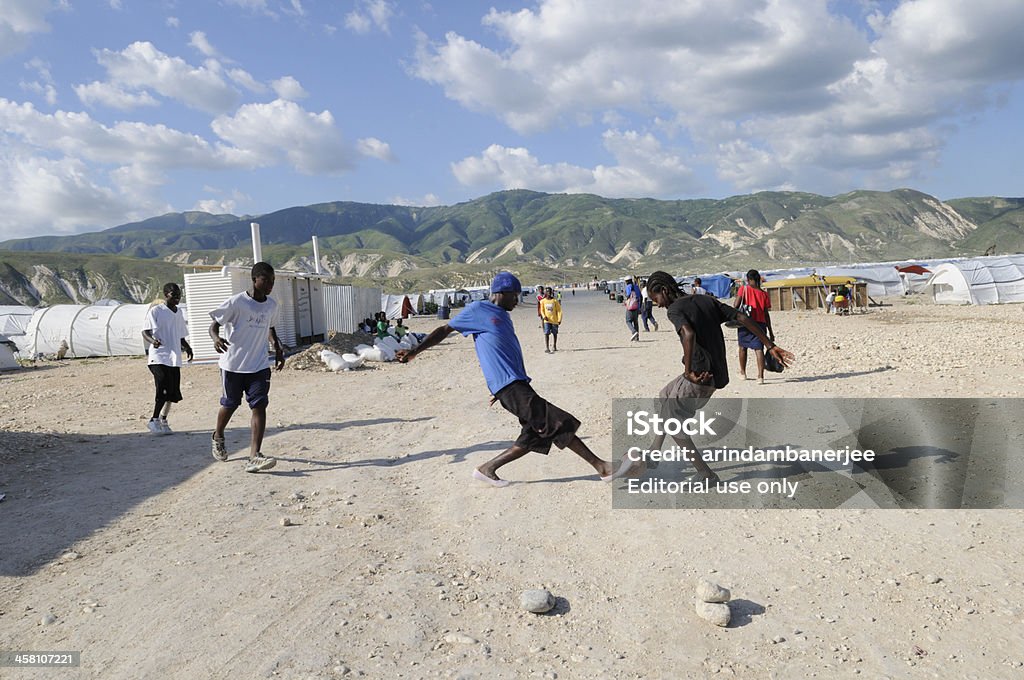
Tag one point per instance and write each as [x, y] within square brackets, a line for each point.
[809, 292]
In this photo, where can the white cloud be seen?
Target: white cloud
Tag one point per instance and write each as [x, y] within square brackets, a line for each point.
[141, 66]
[172, 22]
[19, 20]
[807, 93]
[297, 8]
[245, 79]
[67, 170]
[370, 14]
[116, 4]
[198, 40]
[428, 200]
[223, 205]
[109, 94]
[79, 136]
[374, 148]
[289, 88]
[282, 131]
[643, 168]
[56, 195]
[44, 85]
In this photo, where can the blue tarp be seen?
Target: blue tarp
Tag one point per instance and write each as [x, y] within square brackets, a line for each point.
[718, 285]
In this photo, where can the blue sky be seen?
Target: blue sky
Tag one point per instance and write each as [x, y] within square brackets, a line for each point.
[118, 110]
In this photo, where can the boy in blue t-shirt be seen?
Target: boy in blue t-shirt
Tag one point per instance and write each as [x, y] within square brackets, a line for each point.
[501, 360]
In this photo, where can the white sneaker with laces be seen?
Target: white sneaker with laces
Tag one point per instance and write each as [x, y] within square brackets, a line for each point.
[154, 427]
[164, 427]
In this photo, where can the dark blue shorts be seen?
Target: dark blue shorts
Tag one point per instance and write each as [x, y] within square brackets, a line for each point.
[255, 386]
[748, 339]
[550, 328]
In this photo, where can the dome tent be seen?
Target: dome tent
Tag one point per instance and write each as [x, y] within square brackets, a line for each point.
[979, 281]
[89, 330]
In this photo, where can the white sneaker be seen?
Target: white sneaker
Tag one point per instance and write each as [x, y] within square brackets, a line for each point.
[164, 427]
[260, 463]
[154, 427]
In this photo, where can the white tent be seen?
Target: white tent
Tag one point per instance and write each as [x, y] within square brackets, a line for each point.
[980, 281]
[14, 319]
[397, 306]
[89, 330]
[7, 359]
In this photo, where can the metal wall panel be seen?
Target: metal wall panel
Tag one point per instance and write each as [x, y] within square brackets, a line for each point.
[205, 292]
[346, 306]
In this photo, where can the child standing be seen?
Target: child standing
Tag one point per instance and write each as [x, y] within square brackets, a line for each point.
[165, 331]
[248, 319]
[551, 315]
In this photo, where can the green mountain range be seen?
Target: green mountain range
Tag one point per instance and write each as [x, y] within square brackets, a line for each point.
[552, 236]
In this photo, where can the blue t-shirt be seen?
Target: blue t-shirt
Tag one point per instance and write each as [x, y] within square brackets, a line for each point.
[497, 347]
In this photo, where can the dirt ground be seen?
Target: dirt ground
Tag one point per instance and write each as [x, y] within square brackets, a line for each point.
[157, 561]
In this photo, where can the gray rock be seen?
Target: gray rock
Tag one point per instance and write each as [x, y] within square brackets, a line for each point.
[708, 591]
[714, 612]
[459, 639]
[47, 620]
[286, 522]
[537, 601]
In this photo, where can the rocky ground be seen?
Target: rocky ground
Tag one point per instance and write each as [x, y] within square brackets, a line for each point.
[368, 551]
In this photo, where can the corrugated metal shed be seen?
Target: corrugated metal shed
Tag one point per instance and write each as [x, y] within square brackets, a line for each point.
[346, 306]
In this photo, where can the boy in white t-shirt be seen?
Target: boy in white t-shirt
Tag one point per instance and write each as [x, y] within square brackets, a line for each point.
[248, 319]
[165, 331]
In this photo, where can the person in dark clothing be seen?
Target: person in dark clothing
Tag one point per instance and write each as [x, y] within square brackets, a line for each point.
[698, 320]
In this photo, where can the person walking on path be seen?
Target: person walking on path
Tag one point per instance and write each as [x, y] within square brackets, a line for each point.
[165, 331]
[631, 299]
[501, 360]
[551, 312]
[248, 319]
[647, 309]
[756, 304]
[698, 321]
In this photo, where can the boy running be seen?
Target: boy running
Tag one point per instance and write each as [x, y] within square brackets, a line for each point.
[248, 319]
[698, 320]
[501, 360]
[165, 331]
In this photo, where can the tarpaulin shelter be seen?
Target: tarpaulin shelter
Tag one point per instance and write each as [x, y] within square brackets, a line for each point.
[980, 281]
[7, 359]
[718, 285]
[397, 306]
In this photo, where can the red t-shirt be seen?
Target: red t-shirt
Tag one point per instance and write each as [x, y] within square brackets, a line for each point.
[758, 300]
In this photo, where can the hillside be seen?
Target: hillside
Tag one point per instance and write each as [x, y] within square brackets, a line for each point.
[553, 236]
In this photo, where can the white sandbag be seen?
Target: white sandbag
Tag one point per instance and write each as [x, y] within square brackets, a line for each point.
[353, 360]
[388, 342]
[359, 348]
[373, 354]
[333, 361]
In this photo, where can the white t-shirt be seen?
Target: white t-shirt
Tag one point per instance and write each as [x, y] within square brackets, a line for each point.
[246, 326]
[699, 290]
[169, 328]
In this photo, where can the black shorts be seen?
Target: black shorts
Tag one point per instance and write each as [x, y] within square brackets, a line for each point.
[543, 423]
[168, 382]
